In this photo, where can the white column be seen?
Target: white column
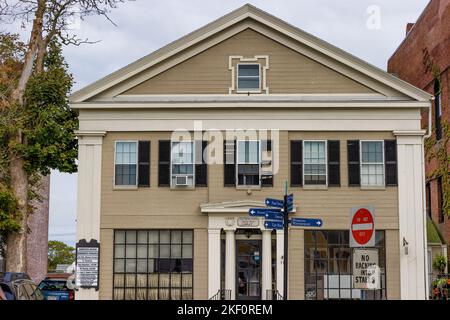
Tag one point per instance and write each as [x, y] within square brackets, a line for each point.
[230, 263]
[89, 192]
[280, 254]
[266, 281]
[411, 216]
[213, 261]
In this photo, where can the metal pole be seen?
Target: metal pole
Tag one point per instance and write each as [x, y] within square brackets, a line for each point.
[285, 255]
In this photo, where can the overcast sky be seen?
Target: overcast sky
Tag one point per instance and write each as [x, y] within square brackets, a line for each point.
[146, 25]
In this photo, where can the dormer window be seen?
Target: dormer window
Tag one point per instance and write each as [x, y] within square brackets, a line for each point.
[248, 77]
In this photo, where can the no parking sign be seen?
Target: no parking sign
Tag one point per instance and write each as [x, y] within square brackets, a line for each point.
[362, 227]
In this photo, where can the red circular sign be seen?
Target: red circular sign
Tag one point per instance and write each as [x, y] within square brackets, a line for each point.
[362, 226]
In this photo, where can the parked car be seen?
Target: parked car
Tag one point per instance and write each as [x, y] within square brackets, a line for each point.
[2, 294]
[19, 286]
[57, 288]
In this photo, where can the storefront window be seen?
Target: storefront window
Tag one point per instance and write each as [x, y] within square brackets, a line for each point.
[328, 267]
[153, 264]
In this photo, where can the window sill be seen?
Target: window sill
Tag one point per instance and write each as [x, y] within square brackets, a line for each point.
[248, 188]
[249, 92]
[313, 187]
[373, 188]
[125, 188]
[189, 188]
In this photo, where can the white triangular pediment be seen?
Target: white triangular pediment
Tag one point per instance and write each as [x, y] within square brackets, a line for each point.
[207, 36]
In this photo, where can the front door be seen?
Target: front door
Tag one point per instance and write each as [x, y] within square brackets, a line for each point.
[248, 269]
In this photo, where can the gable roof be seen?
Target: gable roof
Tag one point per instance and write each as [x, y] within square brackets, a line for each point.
[232, 18]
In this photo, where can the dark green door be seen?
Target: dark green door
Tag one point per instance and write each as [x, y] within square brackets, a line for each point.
[248, 269]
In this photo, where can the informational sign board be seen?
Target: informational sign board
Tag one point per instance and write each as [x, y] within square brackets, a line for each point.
[261, 212]
[87, 264]
[362, 227]
[366, 272]
[306, 222]
[274, 203]
[277, 225]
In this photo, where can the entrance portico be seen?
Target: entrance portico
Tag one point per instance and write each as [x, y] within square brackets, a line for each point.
[244, 237]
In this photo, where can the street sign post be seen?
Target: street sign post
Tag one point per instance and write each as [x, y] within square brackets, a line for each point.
[277, 217]
[362, 227]
[303, 222]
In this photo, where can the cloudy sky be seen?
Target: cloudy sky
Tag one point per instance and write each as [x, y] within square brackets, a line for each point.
[371, 30]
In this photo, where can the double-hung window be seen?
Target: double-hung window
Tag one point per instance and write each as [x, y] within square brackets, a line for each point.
[182, 163]
[314, 163]
[126, 163]
[372, 163]
[248, 163]
[248, 77]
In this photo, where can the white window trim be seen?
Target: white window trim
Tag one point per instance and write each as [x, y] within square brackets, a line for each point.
[193, 164]
[326, 165]
[126, 186]
[238, 163]
[374, 163]
[252, 77]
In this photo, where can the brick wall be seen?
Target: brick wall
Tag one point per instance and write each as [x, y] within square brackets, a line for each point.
[420, 58]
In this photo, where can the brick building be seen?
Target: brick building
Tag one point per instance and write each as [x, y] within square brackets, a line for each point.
[423, 59]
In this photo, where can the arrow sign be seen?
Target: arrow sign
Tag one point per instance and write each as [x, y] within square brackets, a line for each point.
[273, 225]
[261, 212]
[290, 202]
[274, 216]
[274, 203]
[303, 222]
[290, 198]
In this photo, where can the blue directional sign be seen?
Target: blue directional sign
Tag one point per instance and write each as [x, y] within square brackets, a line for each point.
[290, 198]
[290, 202]
[304, 222]
[274, 203]
[273, 225]
[274, 216]
[261, 212]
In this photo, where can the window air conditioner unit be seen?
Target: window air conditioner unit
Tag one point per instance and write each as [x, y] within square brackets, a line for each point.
[181, 181]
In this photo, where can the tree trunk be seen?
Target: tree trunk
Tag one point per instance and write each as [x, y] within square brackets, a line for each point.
[16, 243]
[37, 242]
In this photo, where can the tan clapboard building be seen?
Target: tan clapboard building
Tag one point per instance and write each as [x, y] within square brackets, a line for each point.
[264, 103]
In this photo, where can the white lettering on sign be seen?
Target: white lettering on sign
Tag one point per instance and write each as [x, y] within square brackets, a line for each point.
[87, 267]
[366, 272]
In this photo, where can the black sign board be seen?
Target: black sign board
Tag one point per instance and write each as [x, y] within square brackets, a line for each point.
[87, 264]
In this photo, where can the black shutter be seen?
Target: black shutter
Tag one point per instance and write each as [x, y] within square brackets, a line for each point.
[267, 179]
[390, 160]
[296, 163]
[334, 172]
[164, 163]
[201, 168]
[229, 159]
[144, 164]
[353, 163]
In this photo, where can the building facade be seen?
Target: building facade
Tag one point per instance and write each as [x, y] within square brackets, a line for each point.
[426, 46]
[175, 148]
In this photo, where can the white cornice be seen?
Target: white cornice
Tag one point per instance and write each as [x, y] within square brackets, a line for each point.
[254, 104]
[240, 206]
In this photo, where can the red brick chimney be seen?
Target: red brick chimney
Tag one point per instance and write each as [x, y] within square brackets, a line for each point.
[409, 26]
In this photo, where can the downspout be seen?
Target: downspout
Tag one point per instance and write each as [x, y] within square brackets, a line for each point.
[424, 198]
